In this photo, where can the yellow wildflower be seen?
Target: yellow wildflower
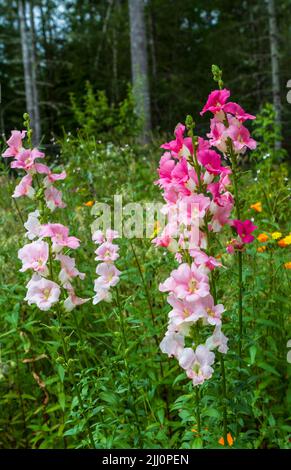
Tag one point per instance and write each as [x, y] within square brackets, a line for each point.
[287, 240]
[288, 265]
[276, 235]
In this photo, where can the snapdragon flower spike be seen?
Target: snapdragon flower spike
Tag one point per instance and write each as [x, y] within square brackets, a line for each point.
[194, 173]
[48, 240]
[108, 274]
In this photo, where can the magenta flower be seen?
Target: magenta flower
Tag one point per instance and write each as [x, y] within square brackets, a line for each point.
[244, 230]
[34, 256]
[237, 111]
[212, 162]
[24, 188]
[59, 235]
[216, 101]
[14, 144]
[180, 146]
[42, 292]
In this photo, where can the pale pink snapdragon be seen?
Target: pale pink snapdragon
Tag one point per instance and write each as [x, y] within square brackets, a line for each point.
[197, 364]
[35, 256]
[33, 226]
[59, 235]
[53, 198]
[49, 239]
[68, 269]
[108, 274]
[42, 292]
[24, 188]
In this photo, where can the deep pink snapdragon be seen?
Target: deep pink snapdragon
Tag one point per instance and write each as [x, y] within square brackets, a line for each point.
[196, 190]
[244, 229]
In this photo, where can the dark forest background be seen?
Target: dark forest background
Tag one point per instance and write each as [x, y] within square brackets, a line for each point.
[88, 40]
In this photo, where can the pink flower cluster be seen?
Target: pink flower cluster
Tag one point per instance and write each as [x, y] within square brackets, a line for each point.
[192, 175]
[48, 240]
[26, 159]
[108, 274]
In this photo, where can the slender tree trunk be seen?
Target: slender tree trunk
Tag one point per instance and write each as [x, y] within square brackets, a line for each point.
[139, 66]
[26, 60]
[37, 122]
[274, 48]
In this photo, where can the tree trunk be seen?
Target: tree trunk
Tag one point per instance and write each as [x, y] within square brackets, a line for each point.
[26, 60]
[37, 123]
[139, 67]
[274, 48]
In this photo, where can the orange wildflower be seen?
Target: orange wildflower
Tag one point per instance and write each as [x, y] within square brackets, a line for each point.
[288, 265]
[257, 207]
[261, 249]
[89, 203]
[263, 237]
[282, 243]
[229, 440]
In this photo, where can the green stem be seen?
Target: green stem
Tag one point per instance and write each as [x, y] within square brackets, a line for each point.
[149, 301]
[22, 408]
[240, 262]
[124, 341]
[224, 408]
[198, 418]
[222, 365]
[66, 354]
[72, 378]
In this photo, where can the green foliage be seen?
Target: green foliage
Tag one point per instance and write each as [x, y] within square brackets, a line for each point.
[133, 395]
[96, 117]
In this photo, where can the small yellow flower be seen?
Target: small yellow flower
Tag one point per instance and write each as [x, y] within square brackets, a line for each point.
[276, 235]
[261, 249]
[287, 265]
[157, 228]
[287, 240]
[229, 440]
[257, 207]
[263, 237]
[89, 203]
